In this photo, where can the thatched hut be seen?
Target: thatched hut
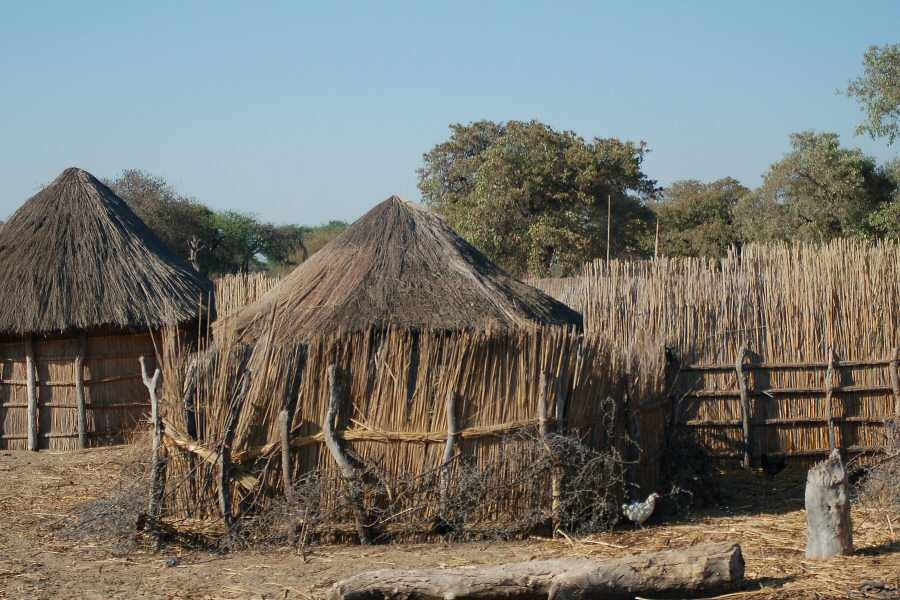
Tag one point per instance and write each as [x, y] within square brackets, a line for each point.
[83, 284]
[402, 266]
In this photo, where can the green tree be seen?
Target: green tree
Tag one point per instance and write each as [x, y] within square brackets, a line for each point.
[696, 218]
[185, 225]
[885, 222]
[878, 91]
[535, 199]
[817, 192]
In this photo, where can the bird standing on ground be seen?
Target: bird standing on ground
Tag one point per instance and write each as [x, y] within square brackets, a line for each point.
[639, 512]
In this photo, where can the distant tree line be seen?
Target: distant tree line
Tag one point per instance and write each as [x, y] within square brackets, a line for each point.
[536, 199]
[214, 241]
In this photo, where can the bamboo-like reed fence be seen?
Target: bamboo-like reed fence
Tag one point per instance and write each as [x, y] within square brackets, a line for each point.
[754, 334]
[233, 292]
[70, 393]
[413, 404]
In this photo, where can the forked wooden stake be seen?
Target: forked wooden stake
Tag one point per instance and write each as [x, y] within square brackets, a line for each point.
[745, 404]
[449, 447]
[79, 391]
[158, 480]
[348, 471]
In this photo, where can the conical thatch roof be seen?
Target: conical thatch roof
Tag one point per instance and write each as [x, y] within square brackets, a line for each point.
[75, 257]
[401, 265]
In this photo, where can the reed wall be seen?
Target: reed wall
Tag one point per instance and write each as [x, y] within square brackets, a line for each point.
[233, 292]
[395, 416]
[791, 307]
[115, 399]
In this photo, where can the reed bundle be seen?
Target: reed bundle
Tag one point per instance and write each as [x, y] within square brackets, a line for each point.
[792, 306]
[395, 419]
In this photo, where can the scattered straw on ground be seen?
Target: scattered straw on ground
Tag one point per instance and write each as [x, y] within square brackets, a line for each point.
[40, 491]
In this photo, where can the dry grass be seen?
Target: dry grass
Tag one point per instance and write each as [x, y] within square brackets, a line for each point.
[234, 292]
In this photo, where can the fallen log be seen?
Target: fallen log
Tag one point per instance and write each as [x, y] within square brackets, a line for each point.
[689, 572]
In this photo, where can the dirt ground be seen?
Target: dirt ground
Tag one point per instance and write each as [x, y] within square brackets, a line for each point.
[39, 493]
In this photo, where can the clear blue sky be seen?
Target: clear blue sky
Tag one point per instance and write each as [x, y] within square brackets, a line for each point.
[303, 112]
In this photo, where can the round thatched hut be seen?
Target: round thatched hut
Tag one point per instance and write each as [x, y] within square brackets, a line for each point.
[402, 266]
[83, 284]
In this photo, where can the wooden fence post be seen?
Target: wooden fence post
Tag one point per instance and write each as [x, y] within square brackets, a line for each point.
[79, 390]
[348, 471]
[829, 395]
[544, 431]
[158, 480]
[452, 434]
[284, 426]
[32, 441]
[895, 379]
[225, 452]
[745, 403]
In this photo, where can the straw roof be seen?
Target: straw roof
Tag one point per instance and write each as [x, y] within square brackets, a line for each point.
[75, 257]
[400, 265]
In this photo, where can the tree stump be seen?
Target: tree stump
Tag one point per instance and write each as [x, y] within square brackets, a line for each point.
[828, 527]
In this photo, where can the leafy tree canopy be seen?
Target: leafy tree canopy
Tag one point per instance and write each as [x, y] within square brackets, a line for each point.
[878, 91]
[696, 218]
[535, 199]
[817, 192]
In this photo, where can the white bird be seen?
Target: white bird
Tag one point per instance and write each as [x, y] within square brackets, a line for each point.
[638, 512]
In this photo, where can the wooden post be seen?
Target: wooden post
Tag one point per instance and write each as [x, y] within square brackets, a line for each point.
[225, 453]
[30, 382]
[79, 390]
[452, 434]
[158, 480]
[895, 380]
[745, 404]
[544, 432]
[608, 224]
[284, 426]
[348, 471]
[829, 395]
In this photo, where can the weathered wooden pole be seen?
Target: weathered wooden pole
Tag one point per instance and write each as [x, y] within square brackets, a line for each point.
[828, 526]
[79, 390]
[829, 396]
[31, 391]
[284, 428]
[224, 482]
[545, 433]
[449, 448]
[158, 478]
[895, 379]
[348, 471]
[745, 404]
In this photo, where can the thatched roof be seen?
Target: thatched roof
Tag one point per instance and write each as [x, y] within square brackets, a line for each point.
[75, 257]
[400, 265]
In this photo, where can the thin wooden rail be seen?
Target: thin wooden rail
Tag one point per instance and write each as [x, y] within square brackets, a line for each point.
[766, 366]
[811, 391]
[785, 421]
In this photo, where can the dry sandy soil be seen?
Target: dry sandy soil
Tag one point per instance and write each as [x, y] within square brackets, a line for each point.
[39, 493]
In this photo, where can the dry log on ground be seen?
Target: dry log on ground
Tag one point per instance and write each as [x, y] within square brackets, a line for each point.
[689, 572]
[828, 527]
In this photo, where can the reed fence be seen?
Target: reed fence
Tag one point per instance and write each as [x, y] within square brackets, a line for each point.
[400, 407]
[233, 292]
[69, 393]
[754, 334]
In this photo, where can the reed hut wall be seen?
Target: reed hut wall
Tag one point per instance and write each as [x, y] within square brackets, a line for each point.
[792, 306]
[395, 417]
[115, 399]
[235, 291]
